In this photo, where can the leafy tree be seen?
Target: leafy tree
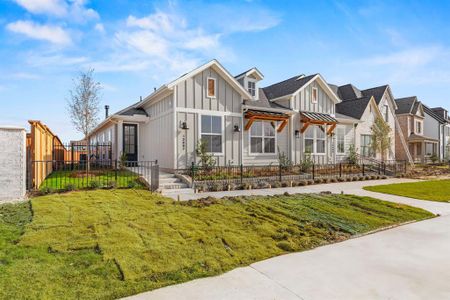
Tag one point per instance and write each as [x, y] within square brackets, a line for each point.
[352, 155]
[207, 160]
[381, 141]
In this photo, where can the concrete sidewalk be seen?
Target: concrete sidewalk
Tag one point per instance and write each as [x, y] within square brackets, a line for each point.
[407, 262]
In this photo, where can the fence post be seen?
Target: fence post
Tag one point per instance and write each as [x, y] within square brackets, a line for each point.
[115, 172]
[279, 171]
[340, 170]
[363, 171]
[242, 171]
[314, 171]
[406, 167]
[71, 156]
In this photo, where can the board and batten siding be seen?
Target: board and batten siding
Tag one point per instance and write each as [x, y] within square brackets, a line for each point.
[281, 145]
[192, 102]
[349, 140]
[156, 136]
[302, 101]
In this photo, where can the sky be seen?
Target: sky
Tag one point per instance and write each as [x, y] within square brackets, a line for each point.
[135, 46]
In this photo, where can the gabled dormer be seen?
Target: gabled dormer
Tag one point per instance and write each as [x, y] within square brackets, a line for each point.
[249, 80]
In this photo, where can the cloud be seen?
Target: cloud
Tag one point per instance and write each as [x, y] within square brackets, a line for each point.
[50, 7]
[73, 11]
[407, 58]
[52, 34]
[99, 27]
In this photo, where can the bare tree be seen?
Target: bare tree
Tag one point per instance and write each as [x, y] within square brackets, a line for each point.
[84, 105]
[84, 102]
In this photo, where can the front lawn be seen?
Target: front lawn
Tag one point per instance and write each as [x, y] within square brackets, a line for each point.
[106, 244]
[436, 190]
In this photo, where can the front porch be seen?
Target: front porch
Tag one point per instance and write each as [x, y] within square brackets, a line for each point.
[422, 148]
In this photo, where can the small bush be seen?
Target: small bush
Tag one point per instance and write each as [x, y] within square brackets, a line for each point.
[294, 183]
[285, 184]
[384, 177]
[112, 184]
[131, 184]
[326, 180]
[317, 181]
[70, 187]
[263, 185]
[340, 179]
[333, 180]
[302, 183]
[201, 187]
[355, 178]
[286, 246]
[276, 184]
[246, 186]
[215, 187]
[310, 182]
[361, 178]
[94, 185]
[46, 190]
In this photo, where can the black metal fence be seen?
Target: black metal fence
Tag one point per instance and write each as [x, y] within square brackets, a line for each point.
[60, 175]
[277, 173]
[81, 151]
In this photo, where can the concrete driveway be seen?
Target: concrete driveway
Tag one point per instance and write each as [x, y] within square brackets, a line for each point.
[407, 262]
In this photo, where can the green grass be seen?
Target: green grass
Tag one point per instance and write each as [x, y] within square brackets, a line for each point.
[435, 190]
[106, 244]
[59, 180]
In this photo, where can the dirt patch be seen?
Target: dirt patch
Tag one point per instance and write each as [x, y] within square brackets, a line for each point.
[83, 174]
[438, 171]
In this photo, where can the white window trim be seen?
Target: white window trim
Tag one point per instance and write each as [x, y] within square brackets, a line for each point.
[337, 141]
[312, 94]
[421, 127]
[315, 141]
[222, 133]
[256, 87]
[264, 153]
[207, 87]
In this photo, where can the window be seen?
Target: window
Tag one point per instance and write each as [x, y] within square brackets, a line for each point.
[430, 149]
[314, 95]
[211, 92]
[251, 88]
[366, 145]
[315, 140]
[262, 137]
[340, 140]
[211, 133]
[386, 113]
[418, 127]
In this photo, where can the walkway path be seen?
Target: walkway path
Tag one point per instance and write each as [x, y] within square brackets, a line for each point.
[407, 262]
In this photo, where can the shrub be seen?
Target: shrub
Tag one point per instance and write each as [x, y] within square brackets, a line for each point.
[246, 186]
[131, 184]
[215, 187]
[263, 185]
[317, 181]
[112, 184]
[340, 179]
[302, 183]
[46, 190]
[326, 180]
[284, 184]
[333, 180]
[310, 182]
[367, 177]
[201, 187]
[294, 183]
[276, 184]
[94, 185]
[70, 187]
[373, 177]
[355, 178]
[384, 177]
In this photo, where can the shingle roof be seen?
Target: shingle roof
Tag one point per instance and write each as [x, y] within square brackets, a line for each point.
[133, 111]
[406, 105]
[434, 115]
[376, 92]
[263, 102]
[287, 86]
[353, 107]
[349, 92]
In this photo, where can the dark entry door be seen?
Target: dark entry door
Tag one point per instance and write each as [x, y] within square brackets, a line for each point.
[130, 141]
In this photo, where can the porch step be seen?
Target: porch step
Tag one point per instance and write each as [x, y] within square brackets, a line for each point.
[164, 180]
[171, 186]
[170, 182]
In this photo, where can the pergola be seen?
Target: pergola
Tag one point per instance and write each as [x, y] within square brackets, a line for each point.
[254, 115]
[312, 118]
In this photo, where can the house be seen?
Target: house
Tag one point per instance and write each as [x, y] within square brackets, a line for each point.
[445, 136]
[411, 116]
[359, 108]
[239, 121]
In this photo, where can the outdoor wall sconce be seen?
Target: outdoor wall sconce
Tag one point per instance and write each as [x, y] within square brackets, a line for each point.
[236, 128]
[184, 126]
[297, 134]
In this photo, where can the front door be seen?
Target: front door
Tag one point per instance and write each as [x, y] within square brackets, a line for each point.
[130, 142]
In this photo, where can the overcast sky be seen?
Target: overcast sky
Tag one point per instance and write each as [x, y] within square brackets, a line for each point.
[135, 46]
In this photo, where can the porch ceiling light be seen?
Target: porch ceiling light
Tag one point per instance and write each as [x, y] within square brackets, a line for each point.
[184, 126]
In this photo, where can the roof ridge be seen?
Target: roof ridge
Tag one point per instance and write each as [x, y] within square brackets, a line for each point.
[290, 78]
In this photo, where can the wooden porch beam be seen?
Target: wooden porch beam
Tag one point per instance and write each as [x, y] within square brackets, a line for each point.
[282, 125]
[249, 123]
[305, 126]
[331, 129]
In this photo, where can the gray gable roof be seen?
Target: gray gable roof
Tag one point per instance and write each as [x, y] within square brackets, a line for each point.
[349, 92]
[376, 92]
[407, 105]
[353, 107]
[133, 111]
[434, 115]
[263, 102]
[287, 86]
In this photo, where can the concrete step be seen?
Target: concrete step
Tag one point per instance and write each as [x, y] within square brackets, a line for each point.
[171, 186]
[168, 180]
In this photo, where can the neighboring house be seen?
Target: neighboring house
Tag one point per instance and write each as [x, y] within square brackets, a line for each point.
[384, 99]
[434, 126]
[445, 137]
[240, 122]
[366, 111]
[411, 117]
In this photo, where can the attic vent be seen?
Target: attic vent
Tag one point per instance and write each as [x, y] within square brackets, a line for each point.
[301, 76]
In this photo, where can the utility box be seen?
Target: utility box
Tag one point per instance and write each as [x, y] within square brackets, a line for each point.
[13, 163]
